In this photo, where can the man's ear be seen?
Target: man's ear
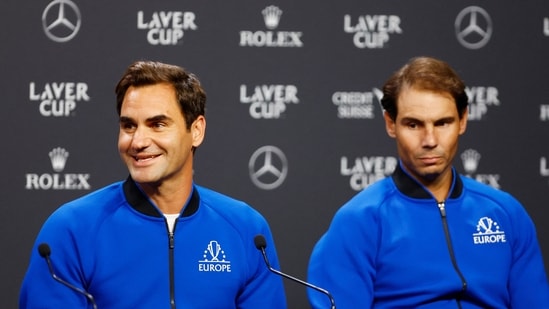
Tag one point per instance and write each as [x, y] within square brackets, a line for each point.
[463, 122]
[389, 124]
[198, 130]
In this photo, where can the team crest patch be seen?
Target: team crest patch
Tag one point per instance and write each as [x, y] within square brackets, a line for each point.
[488, 232]
[214, 259]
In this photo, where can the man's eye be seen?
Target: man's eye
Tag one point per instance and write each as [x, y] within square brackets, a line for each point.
[127, 126]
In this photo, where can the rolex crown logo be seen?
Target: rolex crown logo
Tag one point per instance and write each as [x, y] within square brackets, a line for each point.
[470, 159]
[58, 157]
[271, 15]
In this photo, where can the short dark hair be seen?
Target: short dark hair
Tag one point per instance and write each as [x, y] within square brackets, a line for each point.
[424, 73]
[189, 92]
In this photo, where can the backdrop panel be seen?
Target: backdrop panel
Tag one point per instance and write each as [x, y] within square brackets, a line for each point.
[325, 61]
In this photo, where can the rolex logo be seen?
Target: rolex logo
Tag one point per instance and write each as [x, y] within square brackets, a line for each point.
[271, 15]
[58, 157]
[271, 38]
[57, 180]
[470, 159]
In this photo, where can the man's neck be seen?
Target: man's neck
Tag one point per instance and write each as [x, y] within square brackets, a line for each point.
[170, 198]
[440, 186]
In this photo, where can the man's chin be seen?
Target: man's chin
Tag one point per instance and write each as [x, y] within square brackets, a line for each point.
[430, 172]
[430, 176]
[143, 178]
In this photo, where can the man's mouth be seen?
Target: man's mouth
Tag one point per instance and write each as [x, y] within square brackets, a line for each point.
[143, 158]
[429, 160]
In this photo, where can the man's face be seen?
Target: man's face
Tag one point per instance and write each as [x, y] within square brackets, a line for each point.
[426, 131]
[153, 140]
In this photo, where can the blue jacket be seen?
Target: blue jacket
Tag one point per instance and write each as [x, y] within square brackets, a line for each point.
[394, 246]
[115, 244]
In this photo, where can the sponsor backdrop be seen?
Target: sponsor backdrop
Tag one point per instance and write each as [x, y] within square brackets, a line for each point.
[294, 122]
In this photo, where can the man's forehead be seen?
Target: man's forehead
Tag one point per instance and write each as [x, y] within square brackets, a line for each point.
[421, 103]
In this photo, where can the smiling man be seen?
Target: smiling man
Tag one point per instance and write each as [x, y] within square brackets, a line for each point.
[157, 239]
[428, 237]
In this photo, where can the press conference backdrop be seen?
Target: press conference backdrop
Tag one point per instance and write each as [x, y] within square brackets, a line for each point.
[294, 122]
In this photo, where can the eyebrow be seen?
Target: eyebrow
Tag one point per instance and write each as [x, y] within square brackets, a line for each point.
[443, 119]
[156, 118]
[124, 119]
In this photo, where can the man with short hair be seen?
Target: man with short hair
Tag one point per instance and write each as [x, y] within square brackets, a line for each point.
[157, 239]
[427, 237]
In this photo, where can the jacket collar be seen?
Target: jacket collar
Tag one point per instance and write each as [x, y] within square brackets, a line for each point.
[412, 188]
[141, 203]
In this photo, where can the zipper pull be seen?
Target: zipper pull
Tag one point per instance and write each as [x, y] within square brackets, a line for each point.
[442, 209]
[171, 240]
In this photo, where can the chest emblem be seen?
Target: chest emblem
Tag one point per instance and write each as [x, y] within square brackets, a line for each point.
[488, 232]
[214, 259]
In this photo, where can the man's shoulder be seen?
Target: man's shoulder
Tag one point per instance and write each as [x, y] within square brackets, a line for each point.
[222, 202]
[372, 197]
[483, 191]
[104, 194]
[88, 209]
[214, 197]
[476, 187]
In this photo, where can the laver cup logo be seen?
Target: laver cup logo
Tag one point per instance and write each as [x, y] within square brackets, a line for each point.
[364, 171]
[543, 167]
[544, 112]
[166, 27]
[58, 99]
[481, 99]
[57, 181]
[268, 101]
[371, 31]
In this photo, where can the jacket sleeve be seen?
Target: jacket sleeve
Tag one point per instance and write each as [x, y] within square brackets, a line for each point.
[343, 262]
[39, 289]
[528, 286]
[264, 289]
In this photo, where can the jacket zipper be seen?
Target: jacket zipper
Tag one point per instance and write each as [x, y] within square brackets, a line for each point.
[171, 246]
[442, 208]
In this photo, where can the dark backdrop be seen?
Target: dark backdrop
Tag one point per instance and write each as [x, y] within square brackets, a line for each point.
[323, 62]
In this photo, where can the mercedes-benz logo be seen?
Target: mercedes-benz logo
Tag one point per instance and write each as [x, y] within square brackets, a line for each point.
[473, 27]
[268, 167]
[61, 20]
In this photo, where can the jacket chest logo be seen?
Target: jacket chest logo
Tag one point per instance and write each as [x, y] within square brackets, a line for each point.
[488, 232]
[214, 259]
